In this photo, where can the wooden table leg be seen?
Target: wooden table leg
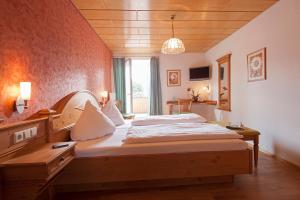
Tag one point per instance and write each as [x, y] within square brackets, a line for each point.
[171, 109]
[256, 149]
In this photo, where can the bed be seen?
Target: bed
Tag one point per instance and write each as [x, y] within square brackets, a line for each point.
[108, 162]
[114, 145]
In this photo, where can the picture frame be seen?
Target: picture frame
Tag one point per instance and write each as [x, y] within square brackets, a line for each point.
[256, 65]
[173, 78]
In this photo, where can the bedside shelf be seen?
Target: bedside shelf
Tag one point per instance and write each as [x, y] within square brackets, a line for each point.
[27, 175]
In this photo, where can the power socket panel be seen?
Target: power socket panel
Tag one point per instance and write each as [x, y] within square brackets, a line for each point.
[18, 136]
[25, 134]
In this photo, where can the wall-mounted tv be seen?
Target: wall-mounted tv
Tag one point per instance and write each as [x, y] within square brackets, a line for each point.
[200, 73]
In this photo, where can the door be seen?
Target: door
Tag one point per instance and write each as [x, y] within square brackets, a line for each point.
[138, 86]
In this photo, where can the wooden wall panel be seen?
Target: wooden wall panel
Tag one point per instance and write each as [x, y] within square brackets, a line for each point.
[145, 15]
[150, 20]
[166, 24]
[161, 31]
[190, 5]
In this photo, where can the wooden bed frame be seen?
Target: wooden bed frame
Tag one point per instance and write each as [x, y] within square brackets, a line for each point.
[126, 171]
[156, 170]
[117, 172]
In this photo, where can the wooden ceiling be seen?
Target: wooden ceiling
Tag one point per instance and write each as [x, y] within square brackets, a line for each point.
[139, 27]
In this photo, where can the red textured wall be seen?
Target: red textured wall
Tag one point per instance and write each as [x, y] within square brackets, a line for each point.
[48, 43]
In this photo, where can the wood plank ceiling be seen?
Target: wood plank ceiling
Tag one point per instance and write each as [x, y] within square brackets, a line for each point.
[139, 27]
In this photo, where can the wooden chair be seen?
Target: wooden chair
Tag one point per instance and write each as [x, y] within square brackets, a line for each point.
[184, 106]
[119, 104]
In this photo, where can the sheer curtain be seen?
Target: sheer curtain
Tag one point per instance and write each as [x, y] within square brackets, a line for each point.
[119, 80]
[155, 87]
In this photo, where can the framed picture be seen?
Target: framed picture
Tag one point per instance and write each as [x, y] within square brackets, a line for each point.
[174, 78]
[256, 63]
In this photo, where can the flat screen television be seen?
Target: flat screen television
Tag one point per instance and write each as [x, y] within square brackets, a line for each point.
[200, 73]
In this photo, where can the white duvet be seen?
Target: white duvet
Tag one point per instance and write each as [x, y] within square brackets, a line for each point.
[168, 119]
[178, 132]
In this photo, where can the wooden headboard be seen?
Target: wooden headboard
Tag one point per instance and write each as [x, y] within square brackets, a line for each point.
[48, 125]
[8, 148]
[70, 109]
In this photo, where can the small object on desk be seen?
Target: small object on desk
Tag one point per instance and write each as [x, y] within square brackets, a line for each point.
[56, 146]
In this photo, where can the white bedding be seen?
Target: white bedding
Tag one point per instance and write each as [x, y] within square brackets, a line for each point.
[113, 145]
[168, 119]
[178, 132]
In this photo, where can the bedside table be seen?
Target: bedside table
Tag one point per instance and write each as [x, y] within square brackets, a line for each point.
[248, 135]
[251, 135]
[28, 175]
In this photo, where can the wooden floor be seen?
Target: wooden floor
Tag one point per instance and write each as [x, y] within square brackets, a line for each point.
[273, 180]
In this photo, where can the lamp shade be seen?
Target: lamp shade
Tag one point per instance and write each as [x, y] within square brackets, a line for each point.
[173, 46]
[25, 90]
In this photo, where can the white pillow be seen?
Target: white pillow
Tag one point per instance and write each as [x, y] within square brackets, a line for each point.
[113, 113]
[92, 124]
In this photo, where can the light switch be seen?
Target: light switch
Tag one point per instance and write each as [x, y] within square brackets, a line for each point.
[33, 131]
[27, 134]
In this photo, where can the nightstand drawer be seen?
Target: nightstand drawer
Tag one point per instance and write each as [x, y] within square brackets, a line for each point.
[60, 161]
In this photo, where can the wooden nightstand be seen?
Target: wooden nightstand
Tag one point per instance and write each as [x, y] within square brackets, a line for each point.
[248, 135]
[28, 176]
[251, 135]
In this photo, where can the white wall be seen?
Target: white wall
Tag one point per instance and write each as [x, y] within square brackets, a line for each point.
[271, 106]
[182, 62]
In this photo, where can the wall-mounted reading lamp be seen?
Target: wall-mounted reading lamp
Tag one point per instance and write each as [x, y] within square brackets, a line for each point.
[104, 97]
[25, 94]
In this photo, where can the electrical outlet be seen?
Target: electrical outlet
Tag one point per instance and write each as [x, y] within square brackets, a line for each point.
[18, 136]
[33, 131]
[27, 134]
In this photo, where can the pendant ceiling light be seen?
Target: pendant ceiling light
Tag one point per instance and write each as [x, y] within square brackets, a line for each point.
[173, 45]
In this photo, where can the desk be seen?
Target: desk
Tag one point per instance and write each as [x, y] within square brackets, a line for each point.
[171, 104]
[209, 102]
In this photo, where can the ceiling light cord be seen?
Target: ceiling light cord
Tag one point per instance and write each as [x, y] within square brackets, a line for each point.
[172, 18]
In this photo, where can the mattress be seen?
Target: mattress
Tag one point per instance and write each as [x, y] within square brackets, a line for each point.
[178, 132]
[113, 145]
[168, 119]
